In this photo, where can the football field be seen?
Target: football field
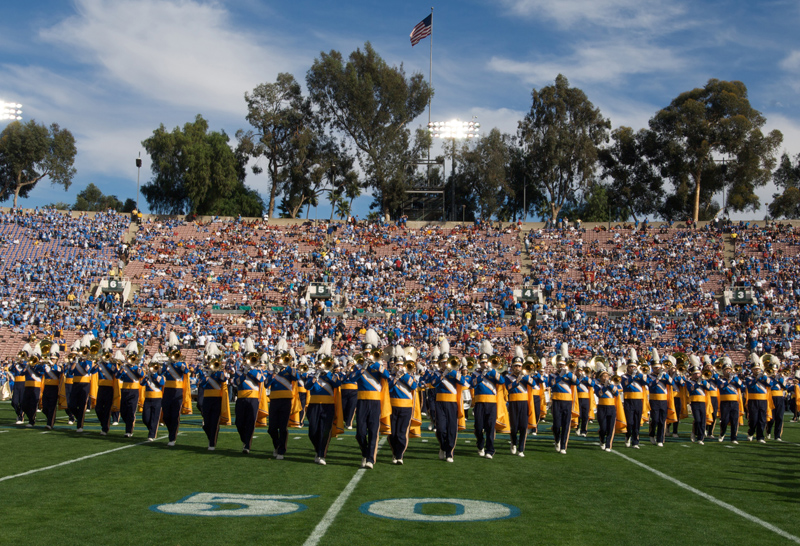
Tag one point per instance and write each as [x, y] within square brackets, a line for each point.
[62, 487]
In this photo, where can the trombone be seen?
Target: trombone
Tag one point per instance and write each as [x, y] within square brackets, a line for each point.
[498, 363]
[452, 363]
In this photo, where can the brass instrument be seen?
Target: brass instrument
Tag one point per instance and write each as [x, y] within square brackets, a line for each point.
[302, 368]
[174, 354]
[107, 355]
[531, 365]
[286, 359]
[215, 364]
[359, 360]
[719, 365]
[45, 345]
[708, 374]
[472, 363]
[23, 355]
[615, 380]
[33, 360]
[253, 358]
[572, 365]
[327, 364]
[645, 369]
[410, 367]
[452, 363]
[375, 355]
[498, 363]
[94, 348]
[153, 367]
[737, 368]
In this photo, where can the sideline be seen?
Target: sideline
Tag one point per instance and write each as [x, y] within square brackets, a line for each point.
[322, 527]
[714, 500]
[29, 472]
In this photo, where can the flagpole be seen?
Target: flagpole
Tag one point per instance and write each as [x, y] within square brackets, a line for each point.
[430, 84]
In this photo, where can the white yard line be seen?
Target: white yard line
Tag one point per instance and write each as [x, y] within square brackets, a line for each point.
[29, 472]
[322, 527]
[714, 500]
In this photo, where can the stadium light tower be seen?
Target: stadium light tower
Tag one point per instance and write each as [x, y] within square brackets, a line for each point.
[10, 111]
[454, 130]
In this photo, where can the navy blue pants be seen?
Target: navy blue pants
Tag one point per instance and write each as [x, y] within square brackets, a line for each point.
[349, 399]
[777, 416]
[606, 420]
[633, 416]
[280, 409]
[447, 426]
[368, 423]
[714, 409]
[30, 403]
[699, 424]
[658, 419]
[171, 404]
[212, 409]
[151, 415]
[320, 424]
[50, 404]
[16, 398]
[485, 414]
[584, 405]
[430, 396]
[756, 418]
[246, 411]
[562, 417]
[728, 415]
[102, 407]
[398, 439]
[128, 402]
[518, 420]
[77, 402]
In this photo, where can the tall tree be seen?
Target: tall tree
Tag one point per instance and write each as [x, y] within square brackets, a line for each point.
[485, 167]
[92, 199]
[283, 124]
[561, 135]
[635, 186]
[371, 104]
[31, 151]
[787, 178]
[195, 171]
[715, 120]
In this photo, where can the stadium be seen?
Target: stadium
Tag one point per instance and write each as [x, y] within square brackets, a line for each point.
[610, 290]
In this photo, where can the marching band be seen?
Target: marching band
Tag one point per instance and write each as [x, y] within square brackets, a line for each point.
[388, 390]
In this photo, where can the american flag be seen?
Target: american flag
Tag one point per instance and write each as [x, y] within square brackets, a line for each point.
[422, 30]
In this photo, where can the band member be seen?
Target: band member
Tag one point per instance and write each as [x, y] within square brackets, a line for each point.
[67, 368]
[213, 379]
[283, 398]
[607, 401]
[129, 373]
[153, 383]
[176, 389]
[698, 399]
[349, 390]
[17, 370]
[82, 371]
[52, 373]
[730, 395]
[322, 386]
[758, 387]
[485, 382]
[585, 392]
[430, 390]
[249, 383]
[106, 370]
[373, 394]
[403, 397]
[713, 395]
[539, 394]
[633, 384]
[520, 399]
[659, 384]
[777, 391]
[561, 386]
[33, 384]
[680, 397]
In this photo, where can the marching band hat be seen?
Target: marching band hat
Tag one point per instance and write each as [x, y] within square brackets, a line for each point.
[516, 361]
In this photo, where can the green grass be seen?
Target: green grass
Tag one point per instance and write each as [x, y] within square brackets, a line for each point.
[585, 497]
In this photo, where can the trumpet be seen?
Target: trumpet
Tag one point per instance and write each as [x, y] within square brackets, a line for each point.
[452, 363]
[410, 367]
[498, 364]
[303, 368]
[152, 367]
[174, 355]
[253, 358]
[472, 363]
[615, 380]
[327, 364]
[285, 359]
[645, 369]
[215, 364]
[359, 360]
[708, 374]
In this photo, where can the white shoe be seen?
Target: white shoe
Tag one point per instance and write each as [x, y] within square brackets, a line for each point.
[481, 453]
[762, 441]
[369, 464]
[151, 439]
[660, 444]
[48, 427]
[71, 422]
[278, 457]
[19, 421]
[274, 453]
[321, 461]
[115, 423]
[653, 440]
[521, 454]
[394, 461]
[103, 433]
[245, 450]
[441, 455]
[778, 439]
[430, 427]
[636, 446]
[350, 427]
[701, 443]
[627, 443]
[449, 459]
[558, 449]
[674, 434]
[563, 451]
[29, 425]
[513, 450]
[400, 461]
[316, 459]
[693, 438]
[749, 438]
[172, 443]
[735, 442]
[211, 448]
[79, 430]
[769, 436]
[721, 439]
[488, 455]
[364, 463]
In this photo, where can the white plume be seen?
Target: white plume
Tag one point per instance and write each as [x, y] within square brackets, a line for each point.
[435, 352]
[634, 356]
[565, 350]
[444, 346]
[694, 360]
[486, 347]
[518, 352]
[108, 344]
[119, 356]
[326, 347]
[371, 337]
[173, 340]
[132, 348]
[249, 345]
[654, 354]
[281, 346]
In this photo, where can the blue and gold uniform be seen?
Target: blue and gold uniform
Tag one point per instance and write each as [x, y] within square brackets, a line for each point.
[758, 392]
[584, 390]
[607, 396]
[561, 387]
[129, 375]
[106, 385]
[248, 385]
[698, 400]
[282, 393]
[730, 396]
[32, 392]
[372, 391]
[520, 412]
[322, 390]
[633, 384]
[485, 385]
[777, 391]
[448, 406]
[660, 386]
[216, 407]
[176, 385]
[402, 394]
[51, 381]
[713, 397]
[153, 384]
[17, 370]
[82, 372]
[349, 390]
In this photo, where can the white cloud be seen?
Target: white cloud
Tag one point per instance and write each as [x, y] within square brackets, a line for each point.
[179, 52]
[792, 62]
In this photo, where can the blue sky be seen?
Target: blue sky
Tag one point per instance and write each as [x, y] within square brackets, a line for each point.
[111, 71]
